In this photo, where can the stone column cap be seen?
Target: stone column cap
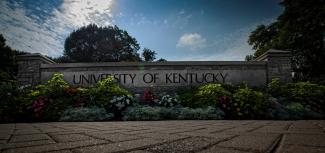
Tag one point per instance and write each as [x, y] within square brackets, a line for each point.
[35, 56]
[273, 52]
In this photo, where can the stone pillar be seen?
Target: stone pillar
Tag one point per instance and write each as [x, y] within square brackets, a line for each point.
[278, 65]
[29, 65]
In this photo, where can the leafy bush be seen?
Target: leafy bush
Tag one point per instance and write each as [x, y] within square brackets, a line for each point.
[86, 114]
[119, 104]
[187, 97]
[208, 95]
[103, 93]
[249, 104]
[201, 114]
[170, 113]
[308, 94]
[159, 113]
[50, 100]
[13, 107]
[294, 111]
[168, 101]
[149, 98]
[142, 113]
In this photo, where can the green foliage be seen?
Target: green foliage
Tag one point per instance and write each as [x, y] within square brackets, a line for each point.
[300, 29]
[308, 94]
[100, 44]
[168, 101]
[86, 114]
[103, 93]
[160, 113]
[249, 104]
[187, 97]
[209, 113]
[12, 106]
[148, 55]
[8, 62]
[161, 60]
[275, 88]
[294, 111]
[170, 113]
[142, 113]
[119, 104]
[48, 101]
[208, 95]
[54, 87]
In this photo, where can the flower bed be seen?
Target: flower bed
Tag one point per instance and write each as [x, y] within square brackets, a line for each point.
[57, 101]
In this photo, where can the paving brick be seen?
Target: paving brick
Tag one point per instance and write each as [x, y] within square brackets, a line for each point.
[216, 149]
[4, 136]
[161, 136]
[251, 142]
[304, 125]
[164, 136]
[305, 139]
[300, 149]
[119, 146]
[272, 129]
[27, 131]
[71, 137]
[27, 144]
[140, 151]
[55, 146]
[114, 137]
[186, 145]
[33, 137]
[219, 136]
[61, 151]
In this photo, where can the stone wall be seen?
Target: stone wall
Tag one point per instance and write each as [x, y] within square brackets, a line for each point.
[29, 68]
[278, 64]
[137, 76]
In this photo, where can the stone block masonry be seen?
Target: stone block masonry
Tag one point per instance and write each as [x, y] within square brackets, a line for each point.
[137, 76]
[209, 136]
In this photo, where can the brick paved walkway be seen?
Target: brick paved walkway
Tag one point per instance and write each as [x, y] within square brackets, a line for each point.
[165, 136]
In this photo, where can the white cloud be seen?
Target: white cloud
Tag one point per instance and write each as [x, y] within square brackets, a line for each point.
[181, 12]
[27, 33]
[229, 47]
[192, 41]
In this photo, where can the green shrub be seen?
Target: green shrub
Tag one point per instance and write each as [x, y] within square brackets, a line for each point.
[209, 94]
[294, 111]
[119, 104]
[249, 104]
[13, 107]
[308, 94]
[103, 93]
[141, 113]
[168, 101]
[187, 97]
[208, 113]
[170, 113]
[49, 101]
[83, 114]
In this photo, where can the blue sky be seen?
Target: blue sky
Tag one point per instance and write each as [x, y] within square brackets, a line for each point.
[177, 30]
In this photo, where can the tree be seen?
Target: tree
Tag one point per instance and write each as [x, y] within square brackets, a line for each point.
[100, 44]
[301, 30]
[162, 60]
[148, 55]
[8, 62]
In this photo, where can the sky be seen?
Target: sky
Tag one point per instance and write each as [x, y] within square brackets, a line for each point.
[178, 30]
